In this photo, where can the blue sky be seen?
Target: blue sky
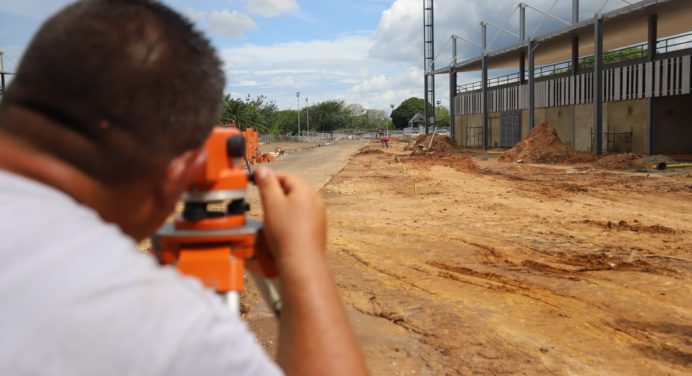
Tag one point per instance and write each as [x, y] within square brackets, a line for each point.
[367, 52]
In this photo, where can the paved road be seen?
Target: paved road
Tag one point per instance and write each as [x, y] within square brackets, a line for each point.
[319, 164]
[316, 165]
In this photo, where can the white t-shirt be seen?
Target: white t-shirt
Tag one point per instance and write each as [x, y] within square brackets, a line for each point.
[78, 298]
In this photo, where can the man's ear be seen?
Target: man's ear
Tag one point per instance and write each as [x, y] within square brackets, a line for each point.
[180, 172]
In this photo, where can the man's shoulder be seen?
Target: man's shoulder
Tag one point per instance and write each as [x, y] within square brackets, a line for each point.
[78, 293]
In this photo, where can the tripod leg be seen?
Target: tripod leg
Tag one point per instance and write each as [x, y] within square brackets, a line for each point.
[232, 299]
[269, 289]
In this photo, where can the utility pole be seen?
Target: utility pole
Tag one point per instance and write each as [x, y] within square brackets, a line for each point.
[391, 117]
[307, 110]
[298, 100]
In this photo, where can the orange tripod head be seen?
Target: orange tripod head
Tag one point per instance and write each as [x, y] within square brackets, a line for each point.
[210, 244]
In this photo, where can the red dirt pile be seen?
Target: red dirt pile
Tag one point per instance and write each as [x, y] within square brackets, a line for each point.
[542, 145]
[621, 162]
[458, 162]
[441, 144]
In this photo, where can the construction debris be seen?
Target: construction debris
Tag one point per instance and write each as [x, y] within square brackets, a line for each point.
[421, 144]
[542, 145]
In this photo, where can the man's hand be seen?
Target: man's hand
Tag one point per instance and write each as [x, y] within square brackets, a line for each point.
[315, 337]
[294, 217]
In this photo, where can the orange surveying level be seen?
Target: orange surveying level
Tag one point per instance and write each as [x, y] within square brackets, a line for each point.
[215, 246]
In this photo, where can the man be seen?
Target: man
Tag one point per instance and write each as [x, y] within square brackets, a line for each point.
[100, 133]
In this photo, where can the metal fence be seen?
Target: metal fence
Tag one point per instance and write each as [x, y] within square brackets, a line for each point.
[615, 142]
[327, 136]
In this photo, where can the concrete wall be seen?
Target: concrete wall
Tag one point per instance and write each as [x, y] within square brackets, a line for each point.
[583, 120]
[673, 124]
[574, 123]
[562, 119]
[461, 123]
[494, 125]
[626, 116]
[459, 131]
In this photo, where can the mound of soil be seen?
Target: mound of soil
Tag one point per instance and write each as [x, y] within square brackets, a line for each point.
[458, 162]
[370, 150]
[542, 145]
[627, 161]
[441, 144]
[631, 161]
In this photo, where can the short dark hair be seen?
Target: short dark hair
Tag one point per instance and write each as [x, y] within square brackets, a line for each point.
[134, 78]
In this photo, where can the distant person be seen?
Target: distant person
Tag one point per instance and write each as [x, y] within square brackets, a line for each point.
[101, 131]
[385, 141]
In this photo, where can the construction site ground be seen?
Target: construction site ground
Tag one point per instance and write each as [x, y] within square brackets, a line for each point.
[450, 265]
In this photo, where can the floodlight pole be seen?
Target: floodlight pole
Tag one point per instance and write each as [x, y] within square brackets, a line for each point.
[298, 100]
[307, 113]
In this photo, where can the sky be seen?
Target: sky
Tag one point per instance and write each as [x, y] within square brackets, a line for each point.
[368, 52]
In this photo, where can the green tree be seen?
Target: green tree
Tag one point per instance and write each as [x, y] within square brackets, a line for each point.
[284, 123]
[248, 113]
[402, 114]
[441, 116]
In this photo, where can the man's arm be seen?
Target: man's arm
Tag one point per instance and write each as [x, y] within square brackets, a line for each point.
[314, 335]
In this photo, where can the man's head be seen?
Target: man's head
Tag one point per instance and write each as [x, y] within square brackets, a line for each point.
[123, 90]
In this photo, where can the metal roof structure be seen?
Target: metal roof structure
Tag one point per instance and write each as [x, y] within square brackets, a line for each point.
[622, 27]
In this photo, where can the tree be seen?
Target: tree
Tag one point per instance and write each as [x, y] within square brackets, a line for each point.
[248, 113]
[441, 117]
[402, 114]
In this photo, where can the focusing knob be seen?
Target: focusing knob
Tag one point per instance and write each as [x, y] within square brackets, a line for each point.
[235, 147]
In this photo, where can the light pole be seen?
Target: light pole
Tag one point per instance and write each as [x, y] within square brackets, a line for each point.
[391, 117]
[298, 100]
[307, 110]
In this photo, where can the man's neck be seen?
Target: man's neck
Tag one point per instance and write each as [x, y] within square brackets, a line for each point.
[22, 158]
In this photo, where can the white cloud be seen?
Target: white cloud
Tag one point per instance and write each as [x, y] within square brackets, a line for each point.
[271, 8]
[230, 24]
[381, 67]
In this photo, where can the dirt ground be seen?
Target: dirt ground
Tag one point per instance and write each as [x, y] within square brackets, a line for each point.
[479, 267]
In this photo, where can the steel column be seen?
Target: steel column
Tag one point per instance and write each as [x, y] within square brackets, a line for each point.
[650, 107]
[484, 87]
[598, 84]
[522, 38]
[452, 88]
[575, 12]
[522, 22]
[425, 105]
[429, 60]
[575, 56]
[532, 84]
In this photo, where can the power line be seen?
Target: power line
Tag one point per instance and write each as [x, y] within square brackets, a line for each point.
[540, 23]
